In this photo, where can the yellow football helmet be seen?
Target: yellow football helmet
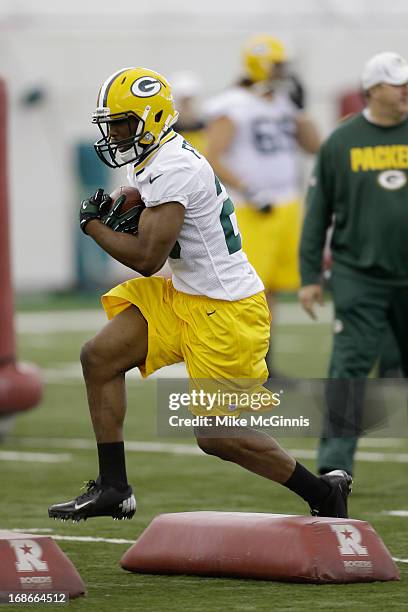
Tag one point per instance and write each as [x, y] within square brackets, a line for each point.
[141, 98]
[261, 53]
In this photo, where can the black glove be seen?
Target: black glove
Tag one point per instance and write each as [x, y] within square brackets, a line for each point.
[126, 222]
[93, 208]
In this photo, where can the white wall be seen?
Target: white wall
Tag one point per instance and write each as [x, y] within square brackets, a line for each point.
[71, 47]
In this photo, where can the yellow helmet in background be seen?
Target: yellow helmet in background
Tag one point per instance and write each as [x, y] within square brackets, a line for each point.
[260, 54]
[144, 99]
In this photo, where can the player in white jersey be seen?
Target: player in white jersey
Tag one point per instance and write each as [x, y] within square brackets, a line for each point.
[255, 131]
[263, 150]
[178, 170]
[212, 314]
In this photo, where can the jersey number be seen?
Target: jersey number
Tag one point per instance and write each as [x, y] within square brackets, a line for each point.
[229, 222]
[272, 137]
[229, 226]
[187, 146]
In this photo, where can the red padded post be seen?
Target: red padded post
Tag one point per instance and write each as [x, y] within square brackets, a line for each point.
[20, 384]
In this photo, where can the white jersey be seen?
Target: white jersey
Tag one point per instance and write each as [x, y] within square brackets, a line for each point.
[207, 258]
[264, 149]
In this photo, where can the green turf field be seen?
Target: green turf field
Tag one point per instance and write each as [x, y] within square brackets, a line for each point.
[170, 482]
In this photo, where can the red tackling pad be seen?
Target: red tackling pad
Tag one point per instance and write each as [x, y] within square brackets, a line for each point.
[264, 546]
[35, 563]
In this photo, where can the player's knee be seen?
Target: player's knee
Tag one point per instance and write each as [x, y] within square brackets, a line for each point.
[91, 357]
[219, 447]
[206, 444]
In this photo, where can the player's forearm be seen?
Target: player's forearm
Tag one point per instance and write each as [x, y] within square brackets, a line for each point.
[308, 135]
[135, 252]
[310, 266]
[319, 212]
[311, 247]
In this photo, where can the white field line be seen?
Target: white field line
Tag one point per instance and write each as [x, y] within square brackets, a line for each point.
[397, 560]
[51, 321]
[400, 513]
[88, 320]
[370, 457]
[91, 539]
[190, 449]
[285, 346]
[34, 530]
[75, 538]
[71, 371]
[37, 457]
[382, 457]
[137, 447]
[381, 442]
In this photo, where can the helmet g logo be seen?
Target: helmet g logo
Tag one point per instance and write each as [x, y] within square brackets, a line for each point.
[392, 179]
[145, 87]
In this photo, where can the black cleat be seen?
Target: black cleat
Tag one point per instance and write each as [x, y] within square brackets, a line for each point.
[98, 500]
[335, 504]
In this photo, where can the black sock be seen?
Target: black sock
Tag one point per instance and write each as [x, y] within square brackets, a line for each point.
[313, 489]
[112, 467]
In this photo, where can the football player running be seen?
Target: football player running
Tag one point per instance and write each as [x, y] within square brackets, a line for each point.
[212, 314]
[256, 130]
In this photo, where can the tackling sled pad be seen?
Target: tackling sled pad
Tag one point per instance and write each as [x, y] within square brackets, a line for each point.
[264, 546]
[35, 563]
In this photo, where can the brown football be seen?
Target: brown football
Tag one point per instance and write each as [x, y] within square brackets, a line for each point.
[132, 197]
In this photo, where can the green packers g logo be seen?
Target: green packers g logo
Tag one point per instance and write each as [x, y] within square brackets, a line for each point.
[392, 179]
[145, 87]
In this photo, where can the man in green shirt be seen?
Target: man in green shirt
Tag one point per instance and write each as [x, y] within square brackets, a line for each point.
[360, 183]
